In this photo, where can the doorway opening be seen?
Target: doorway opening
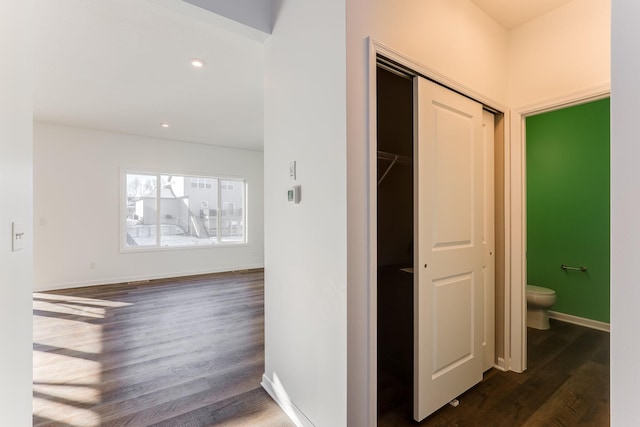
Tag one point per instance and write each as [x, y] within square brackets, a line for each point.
[567, 214]
[515, 205]
[395, 240]
[395, 211]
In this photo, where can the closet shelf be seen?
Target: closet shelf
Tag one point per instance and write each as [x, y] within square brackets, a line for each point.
[393, 158]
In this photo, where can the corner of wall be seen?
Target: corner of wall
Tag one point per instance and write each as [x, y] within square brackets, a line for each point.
[16, 167]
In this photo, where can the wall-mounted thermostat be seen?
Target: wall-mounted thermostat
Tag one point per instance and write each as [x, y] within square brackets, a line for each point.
[293, 195]
[292, 170]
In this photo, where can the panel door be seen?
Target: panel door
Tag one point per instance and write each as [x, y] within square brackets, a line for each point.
[448, 280]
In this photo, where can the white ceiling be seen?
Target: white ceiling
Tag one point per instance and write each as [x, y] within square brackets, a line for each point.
[124, 66]
[512, 13]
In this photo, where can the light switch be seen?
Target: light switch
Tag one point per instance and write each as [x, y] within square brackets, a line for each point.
[17, 232]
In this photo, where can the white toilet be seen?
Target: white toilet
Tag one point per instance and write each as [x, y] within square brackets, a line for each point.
[539, 300]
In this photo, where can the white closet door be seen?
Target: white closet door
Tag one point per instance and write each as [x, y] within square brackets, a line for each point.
[448, 288]
[488, 243]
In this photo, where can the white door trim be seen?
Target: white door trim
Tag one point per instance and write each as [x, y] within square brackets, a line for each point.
[375, 49]
[516, 200]
[372, 218]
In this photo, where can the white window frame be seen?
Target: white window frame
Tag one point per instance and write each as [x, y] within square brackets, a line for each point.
[201, 177]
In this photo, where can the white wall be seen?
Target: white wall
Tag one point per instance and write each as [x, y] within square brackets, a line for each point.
[559, 57]
[563, 52]
[625, 227]
[305, 244]
[77, 213]
[16, 205]
[452, 37]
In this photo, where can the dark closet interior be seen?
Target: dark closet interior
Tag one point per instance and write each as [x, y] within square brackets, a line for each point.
[395, 238]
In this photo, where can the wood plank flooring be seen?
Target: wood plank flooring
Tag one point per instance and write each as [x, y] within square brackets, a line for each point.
[566, 384]
[178, 352]
[190, 352]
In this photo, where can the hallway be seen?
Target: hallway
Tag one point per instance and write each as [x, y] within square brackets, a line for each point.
[567, 384]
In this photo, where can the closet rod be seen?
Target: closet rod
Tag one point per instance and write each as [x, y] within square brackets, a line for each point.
[397, 157]
[394, 158]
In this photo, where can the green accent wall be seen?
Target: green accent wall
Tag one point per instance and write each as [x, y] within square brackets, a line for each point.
[568, 206]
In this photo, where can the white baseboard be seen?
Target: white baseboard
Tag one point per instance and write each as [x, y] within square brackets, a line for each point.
[281, 397]
[581, 321]
[141, 278]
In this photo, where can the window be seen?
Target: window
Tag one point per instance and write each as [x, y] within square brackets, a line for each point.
[178, 210]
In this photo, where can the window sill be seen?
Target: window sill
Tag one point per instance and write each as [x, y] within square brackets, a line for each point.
[133, 250]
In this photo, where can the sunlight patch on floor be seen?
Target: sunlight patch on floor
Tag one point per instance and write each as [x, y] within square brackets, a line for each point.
[59, 411]
[81, 394]
[47, 368]
[87, 349]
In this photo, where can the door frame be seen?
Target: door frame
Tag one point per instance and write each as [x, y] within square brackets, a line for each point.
[518, 278]
[375, 50]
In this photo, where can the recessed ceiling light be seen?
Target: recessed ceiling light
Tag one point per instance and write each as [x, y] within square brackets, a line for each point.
[164, 125]
[197, 62]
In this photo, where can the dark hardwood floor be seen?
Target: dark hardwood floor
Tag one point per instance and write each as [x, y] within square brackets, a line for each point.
[180, 352]
[190, 352]
[566, 384]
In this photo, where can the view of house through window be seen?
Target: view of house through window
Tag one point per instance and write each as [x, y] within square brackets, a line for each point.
[178, 210]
